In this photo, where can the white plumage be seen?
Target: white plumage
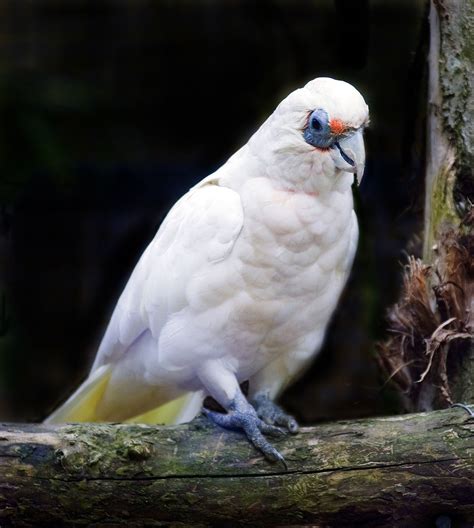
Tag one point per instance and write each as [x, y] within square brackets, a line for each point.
[245, 272]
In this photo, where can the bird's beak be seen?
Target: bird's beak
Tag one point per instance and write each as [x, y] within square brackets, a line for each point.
[349, 154]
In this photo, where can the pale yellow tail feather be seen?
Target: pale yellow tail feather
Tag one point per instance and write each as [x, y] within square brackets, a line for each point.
[81, 405]
[179, 410]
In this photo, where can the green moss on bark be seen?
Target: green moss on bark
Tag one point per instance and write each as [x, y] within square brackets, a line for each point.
[343, 474]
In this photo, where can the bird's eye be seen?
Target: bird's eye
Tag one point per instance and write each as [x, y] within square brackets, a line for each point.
[316, 123]
[318, 132]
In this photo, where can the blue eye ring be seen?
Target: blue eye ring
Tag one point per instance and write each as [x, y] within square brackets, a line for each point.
[317, 132]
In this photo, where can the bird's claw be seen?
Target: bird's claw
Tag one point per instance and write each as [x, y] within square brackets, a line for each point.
[271, 413]
[244, 417]
[466, 408]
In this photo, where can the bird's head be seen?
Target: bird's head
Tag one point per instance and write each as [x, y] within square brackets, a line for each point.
[321, 124]
[335, 122]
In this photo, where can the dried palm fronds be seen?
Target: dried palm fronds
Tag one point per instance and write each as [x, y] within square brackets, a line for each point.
[432, 326]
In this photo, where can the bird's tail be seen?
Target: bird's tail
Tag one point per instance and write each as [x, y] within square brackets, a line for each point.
[82, 405]
[179, 410]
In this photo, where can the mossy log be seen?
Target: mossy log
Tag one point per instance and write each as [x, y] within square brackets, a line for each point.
[397, 471]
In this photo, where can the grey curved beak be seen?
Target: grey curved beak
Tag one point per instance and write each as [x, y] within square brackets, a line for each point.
[351, 154]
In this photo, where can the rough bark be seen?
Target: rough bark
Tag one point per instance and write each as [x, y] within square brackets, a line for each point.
[397, 471]
[450, 146]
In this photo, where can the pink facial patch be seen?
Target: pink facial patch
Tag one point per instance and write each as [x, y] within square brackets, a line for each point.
[337, 126]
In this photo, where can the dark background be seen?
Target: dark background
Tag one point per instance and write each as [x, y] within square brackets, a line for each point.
[110, 110]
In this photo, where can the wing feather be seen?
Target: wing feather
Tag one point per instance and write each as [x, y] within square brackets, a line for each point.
[201, 229]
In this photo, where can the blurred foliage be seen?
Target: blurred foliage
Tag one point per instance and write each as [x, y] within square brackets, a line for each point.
[32, 107]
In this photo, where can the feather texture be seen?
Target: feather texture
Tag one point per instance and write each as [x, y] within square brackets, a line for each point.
[242, 277]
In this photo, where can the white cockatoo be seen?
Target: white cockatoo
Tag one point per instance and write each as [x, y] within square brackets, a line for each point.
[241, 279]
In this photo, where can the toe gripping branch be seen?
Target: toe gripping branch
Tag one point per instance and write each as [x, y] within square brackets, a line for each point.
[242, 416]
[466, 408]
[271, 413]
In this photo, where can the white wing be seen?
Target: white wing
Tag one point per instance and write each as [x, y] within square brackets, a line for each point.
[201, 229]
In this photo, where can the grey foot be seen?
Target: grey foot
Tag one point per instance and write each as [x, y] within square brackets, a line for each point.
[271, 413]
[242, 416]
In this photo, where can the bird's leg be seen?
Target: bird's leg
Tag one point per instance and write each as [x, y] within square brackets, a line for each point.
[271, 413]
[224, 388]
[242, 416]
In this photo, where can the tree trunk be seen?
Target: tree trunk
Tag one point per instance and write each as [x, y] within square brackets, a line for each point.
[398, 471]
[450, 150]
[450, 139]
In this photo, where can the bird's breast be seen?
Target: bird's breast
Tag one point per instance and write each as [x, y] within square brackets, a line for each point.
[293, 244]
[277, 289]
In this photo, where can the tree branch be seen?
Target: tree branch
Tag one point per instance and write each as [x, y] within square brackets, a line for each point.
[372, 472]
